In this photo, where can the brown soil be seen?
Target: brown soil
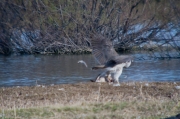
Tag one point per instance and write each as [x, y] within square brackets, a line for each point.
[67, 94]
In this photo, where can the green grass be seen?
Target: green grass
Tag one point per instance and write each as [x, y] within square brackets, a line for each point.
[152, 109]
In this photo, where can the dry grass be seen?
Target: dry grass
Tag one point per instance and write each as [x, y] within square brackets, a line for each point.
[90, 100]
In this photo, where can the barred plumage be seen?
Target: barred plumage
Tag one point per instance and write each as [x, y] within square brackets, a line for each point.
[104, 52]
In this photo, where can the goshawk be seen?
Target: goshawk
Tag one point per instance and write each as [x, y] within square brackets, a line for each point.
[108, 59]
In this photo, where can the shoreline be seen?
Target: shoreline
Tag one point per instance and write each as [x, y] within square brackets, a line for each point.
[70, 93]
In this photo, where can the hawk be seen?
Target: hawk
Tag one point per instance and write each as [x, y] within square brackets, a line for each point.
[108, 59]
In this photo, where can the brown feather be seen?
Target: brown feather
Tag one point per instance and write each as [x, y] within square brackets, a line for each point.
[103, 49]
[98, 67]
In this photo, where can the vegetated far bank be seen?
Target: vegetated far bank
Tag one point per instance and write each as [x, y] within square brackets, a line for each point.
[91, 100]
[45, 26]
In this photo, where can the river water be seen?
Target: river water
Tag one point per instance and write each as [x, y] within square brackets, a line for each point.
[28, 70]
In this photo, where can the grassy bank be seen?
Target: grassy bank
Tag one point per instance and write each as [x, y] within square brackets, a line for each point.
[91, 101]
[151, 109]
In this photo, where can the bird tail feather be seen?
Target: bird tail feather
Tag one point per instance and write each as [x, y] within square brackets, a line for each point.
[98, 67]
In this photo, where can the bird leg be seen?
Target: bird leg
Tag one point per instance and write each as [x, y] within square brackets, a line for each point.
[116, 77]
[116, 82]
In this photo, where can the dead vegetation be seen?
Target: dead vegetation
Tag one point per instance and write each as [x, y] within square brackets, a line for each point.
[92, 100]
[44, 26]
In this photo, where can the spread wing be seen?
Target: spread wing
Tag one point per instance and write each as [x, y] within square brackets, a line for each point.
[119, 60]
[102, 49]
[123, 59]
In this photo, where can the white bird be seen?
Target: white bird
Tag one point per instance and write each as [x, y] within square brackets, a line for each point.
[108, 59]
[82, 62]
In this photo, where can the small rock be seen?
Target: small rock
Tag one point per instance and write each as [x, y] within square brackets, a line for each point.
[177, 87]
[38, 85]
[146, 84]
[61, 89]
